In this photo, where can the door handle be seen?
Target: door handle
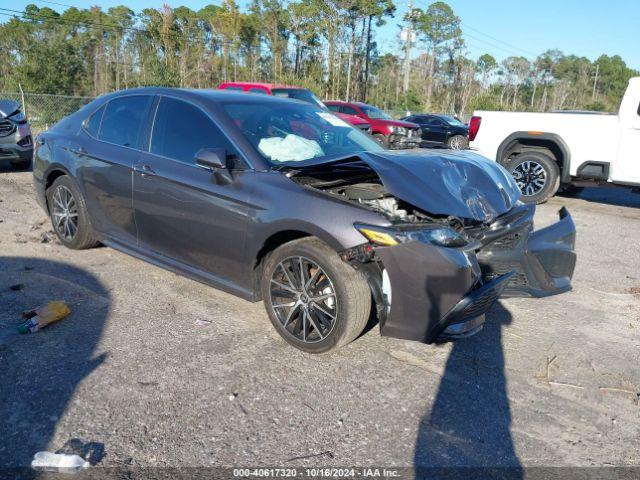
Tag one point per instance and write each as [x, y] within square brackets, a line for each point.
[146, 171]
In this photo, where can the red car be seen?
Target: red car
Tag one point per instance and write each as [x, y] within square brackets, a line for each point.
[295, 93]
[391, 133]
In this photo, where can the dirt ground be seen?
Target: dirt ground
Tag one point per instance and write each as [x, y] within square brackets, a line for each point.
[153, 369]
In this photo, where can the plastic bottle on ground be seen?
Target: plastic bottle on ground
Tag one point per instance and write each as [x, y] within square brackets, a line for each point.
[60, 462]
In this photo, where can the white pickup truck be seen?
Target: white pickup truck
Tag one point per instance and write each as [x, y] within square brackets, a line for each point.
[548, 151]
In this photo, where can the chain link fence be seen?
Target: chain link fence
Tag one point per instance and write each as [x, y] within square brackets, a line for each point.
[43, 110]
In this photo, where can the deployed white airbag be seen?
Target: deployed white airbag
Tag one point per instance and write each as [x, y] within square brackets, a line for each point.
[291, 148]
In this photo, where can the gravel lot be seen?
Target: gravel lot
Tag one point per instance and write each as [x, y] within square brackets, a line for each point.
[131, 379]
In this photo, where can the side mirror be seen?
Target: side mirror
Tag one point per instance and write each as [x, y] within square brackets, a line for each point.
[215, 160]
[211, 158]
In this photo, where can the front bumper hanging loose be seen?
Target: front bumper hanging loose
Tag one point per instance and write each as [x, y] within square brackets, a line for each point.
[543, 261]
[439, 292]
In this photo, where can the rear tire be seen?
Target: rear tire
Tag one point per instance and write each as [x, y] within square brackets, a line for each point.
[331, 311]
[69, 216]
[536, 174]
[458, 142]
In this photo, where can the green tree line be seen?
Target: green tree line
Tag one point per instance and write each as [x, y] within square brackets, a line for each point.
[329, 46]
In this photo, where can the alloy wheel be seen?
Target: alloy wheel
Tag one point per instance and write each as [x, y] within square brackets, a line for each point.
[456, 143]
[64, 212]
[303, 299]
[530, 177]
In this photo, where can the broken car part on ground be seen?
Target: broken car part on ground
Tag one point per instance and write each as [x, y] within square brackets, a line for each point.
[192, 181]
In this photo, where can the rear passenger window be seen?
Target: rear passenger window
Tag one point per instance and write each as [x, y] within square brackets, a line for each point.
[334, 108]
[181, 129]
[93, 123]
[122, 120]
[348, 110]
[257, 90]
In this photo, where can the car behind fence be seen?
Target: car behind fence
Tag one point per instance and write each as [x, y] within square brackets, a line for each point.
[43, 110]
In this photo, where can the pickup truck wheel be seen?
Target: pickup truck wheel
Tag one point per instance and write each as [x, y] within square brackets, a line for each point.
[457, 142]
[381, 139]
[315, 300]
[537, 176]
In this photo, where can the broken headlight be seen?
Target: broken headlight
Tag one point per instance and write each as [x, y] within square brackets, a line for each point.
[399, 130]
[441, 236]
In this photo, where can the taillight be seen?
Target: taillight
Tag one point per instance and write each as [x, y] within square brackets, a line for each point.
[474, 126]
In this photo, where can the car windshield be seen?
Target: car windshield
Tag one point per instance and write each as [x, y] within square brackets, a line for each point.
[298, 94]
[289, 132]
[373, 112]
[453, 121]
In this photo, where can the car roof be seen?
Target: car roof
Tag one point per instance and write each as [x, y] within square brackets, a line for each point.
[214, 95]
[437, 115]
[260, 84]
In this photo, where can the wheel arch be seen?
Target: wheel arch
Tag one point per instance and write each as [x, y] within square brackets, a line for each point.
[519, 142]
[278, 237]
[52, 175]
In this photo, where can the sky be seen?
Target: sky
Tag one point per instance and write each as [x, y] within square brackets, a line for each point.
[500, 27]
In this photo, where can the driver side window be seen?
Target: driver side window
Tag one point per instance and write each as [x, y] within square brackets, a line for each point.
[181, 129]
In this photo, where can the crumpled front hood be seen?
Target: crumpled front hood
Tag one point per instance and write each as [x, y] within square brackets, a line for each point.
[462, 184]
[8, 108]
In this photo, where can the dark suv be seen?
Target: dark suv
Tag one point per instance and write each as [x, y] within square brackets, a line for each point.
[441, 131]
[16, 144]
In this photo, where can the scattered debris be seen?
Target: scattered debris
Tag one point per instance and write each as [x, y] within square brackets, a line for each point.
[17, 287]
[202, 323]
[545, 377]
[93, 452]
[633, 290]
[44, 238]
[408, 358]
[147, 384]
[635, 395]
[58, 462]
[327, 453]
[43, 316]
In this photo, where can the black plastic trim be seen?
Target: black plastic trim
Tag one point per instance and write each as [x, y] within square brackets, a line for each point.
[478, 301]
[590, 169]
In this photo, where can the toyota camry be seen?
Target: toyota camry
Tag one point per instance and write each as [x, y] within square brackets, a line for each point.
[281, 201]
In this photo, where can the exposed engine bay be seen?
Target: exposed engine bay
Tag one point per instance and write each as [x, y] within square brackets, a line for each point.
[363, 186]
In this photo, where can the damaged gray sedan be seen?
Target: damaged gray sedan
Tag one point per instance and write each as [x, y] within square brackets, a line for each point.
[280, 201]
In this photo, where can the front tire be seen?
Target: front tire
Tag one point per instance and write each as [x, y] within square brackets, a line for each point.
[314, 300]
[69, 216]
[458, 142]
[537, 176]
